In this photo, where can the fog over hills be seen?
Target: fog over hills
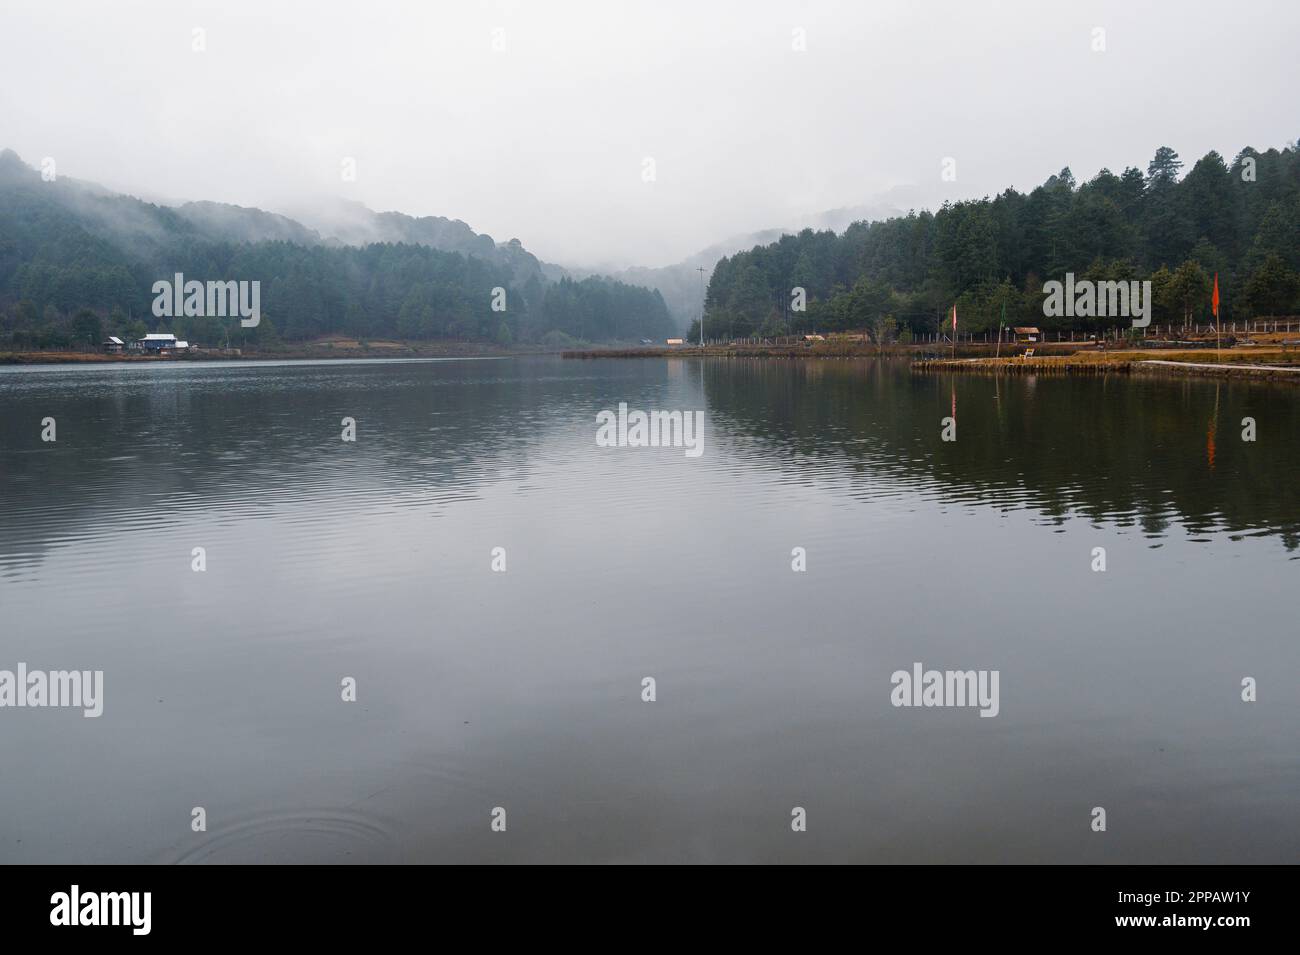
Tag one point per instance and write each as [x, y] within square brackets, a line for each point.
[145, 231]
[77, 259]
[126, 218]
[682, 284]
[147, 225]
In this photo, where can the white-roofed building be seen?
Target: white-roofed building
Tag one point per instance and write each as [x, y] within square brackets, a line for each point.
[156, 341]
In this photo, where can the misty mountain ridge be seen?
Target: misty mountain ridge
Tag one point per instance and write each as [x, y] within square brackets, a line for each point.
[148, 229]
[349, 222]
[681, 283]
[78, 261]
[150, 226]
[122, 217]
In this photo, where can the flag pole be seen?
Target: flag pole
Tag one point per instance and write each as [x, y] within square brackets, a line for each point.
[1218, 332]
[1000, 324]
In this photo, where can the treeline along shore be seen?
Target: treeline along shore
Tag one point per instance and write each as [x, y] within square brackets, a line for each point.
[995, 259]
[78, 265]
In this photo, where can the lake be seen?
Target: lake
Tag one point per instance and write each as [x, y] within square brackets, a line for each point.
[496, 590]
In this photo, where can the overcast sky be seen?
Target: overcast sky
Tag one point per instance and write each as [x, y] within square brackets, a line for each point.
[546, 140]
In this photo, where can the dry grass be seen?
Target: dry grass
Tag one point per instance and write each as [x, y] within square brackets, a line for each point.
[1251, 362]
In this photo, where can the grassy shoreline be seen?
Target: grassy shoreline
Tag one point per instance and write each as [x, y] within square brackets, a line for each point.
[1281, 364]
[1262, 357]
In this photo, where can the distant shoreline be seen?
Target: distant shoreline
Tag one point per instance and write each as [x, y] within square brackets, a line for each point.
[1263, 360]
[1260, 360]
[314, 351]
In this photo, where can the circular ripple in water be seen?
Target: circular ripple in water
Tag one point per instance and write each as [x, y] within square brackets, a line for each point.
[303, 836]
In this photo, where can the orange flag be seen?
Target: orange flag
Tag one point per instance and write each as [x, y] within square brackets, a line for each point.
[1214, 299]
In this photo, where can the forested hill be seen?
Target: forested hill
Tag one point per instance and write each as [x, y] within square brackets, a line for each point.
[78, 262]
[1240, 220]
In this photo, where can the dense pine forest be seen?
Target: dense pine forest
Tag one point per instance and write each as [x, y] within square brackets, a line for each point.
[900, 277]
[78, 263]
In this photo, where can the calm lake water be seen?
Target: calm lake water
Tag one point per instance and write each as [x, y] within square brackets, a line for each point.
[478, 689]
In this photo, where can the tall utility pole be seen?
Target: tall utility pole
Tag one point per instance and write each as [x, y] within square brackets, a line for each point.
[701, 271]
